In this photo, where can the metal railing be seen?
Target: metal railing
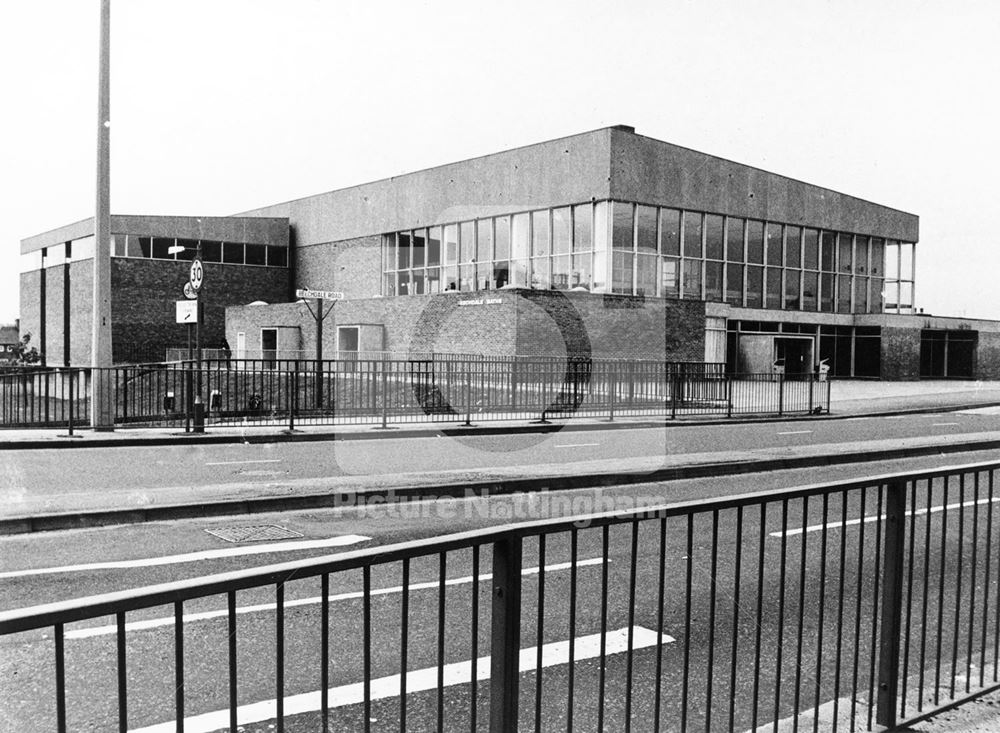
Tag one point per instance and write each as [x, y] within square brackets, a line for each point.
[382, 391]
[837, 606]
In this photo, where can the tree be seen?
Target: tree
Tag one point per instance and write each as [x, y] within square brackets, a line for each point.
[24, 353]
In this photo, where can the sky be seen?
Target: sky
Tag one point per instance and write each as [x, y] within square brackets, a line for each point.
[220, 106]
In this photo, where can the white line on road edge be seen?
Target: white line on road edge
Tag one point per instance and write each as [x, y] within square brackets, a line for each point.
[419, 680]
[875, 517]
[154, 623]
[240, 463]
[577, 445]
[796, 432]
[349, 539]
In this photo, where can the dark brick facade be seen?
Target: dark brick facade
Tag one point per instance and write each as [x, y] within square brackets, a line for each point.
[144, 293]
[988, 356]
[900, 353]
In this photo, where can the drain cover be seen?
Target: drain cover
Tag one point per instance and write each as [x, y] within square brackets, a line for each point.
[254, 533]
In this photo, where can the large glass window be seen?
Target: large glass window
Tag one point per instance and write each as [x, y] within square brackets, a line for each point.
[467, 234]
[403, 250]
[810, 249]
[560, 273]
[692, 236]
[861, 255]
[826, 281]
[793, 289]
[734, 239]
[773, 288]
[810, 286]
[774, 251]
[827, 251]
[670, 277]
[451, 244]
[434, 246]
[645, 274]
[561, 232]
[583, 230]
[519, 250]
[692, 278]
[256, 254]
[419, 248]
[484, 240]
[621, 234]
[713, 280]
[540, 233]
[734, 284]
[714, 236]
[755, 242]
[600, 276]
[645, 228]
[755, 286]
[845, 253]
[793, 246]
[670, 232]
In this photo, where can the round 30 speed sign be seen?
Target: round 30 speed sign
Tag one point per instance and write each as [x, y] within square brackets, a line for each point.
[197, 274]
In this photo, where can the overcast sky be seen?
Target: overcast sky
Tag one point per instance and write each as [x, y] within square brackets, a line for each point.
[219, 106]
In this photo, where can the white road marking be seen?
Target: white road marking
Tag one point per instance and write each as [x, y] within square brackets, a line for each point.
[419, 680]
[154, 623]
[796, 432]
[897, 417]
[577, 445]
[874, 517]
[942, 424]
[240, 463]
[349, 539]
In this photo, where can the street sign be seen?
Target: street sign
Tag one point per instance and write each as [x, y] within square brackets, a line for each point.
[197, 274]
[189, 292]
[321, 294]
[187, 311]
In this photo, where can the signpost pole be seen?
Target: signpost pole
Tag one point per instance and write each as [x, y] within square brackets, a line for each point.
[318, 315]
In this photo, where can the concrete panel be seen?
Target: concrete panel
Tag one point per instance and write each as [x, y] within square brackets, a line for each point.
[655, 172]
[568, 170]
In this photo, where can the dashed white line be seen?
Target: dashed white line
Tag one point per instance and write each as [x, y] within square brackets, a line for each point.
[577, 445]
[796, 432]
[240, 463]
[876, 517]
[349, 539]
[421, 680]
[942, 424]
[154, 623]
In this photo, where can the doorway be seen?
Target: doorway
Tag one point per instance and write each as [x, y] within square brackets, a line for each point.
[795, 355]
[269, 344]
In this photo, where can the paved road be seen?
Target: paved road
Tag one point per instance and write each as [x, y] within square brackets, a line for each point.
[150, 650]
[38, 481]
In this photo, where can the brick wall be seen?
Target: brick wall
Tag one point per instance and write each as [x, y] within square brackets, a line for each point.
[616, 326]
[81, 289]
[988, 356]
[900, 353]
[54, 294]
[144, 293]
[501, 323]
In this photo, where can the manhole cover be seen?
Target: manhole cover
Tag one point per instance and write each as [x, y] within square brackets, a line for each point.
[254, 533]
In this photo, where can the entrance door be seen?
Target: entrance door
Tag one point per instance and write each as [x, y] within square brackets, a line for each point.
[795, 354]
[269, 344]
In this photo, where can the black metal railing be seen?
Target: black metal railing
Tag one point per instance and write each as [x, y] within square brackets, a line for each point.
[384, 391]
[830, 607]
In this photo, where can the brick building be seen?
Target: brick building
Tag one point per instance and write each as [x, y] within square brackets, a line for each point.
[605, 243]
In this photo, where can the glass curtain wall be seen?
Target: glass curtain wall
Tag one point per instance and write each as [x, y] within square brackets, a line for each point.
[636, 249]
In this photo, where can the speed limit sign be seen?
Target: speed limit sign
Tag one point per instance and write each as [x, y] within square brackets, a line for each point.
[197, 274]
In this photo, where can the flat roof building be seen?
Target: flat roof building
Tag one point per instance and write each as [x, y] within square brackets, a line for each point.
[605, 243]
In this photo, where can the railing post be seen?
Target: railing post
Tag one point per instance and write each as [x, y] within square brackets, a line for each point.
[612, 388]
[385, 393]
[674, 386]
[729, 396]
[812, 379]
[70, 402]
[505, 644]
[781, 393]
[290, 396]
[468, 394]
[892, 602]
